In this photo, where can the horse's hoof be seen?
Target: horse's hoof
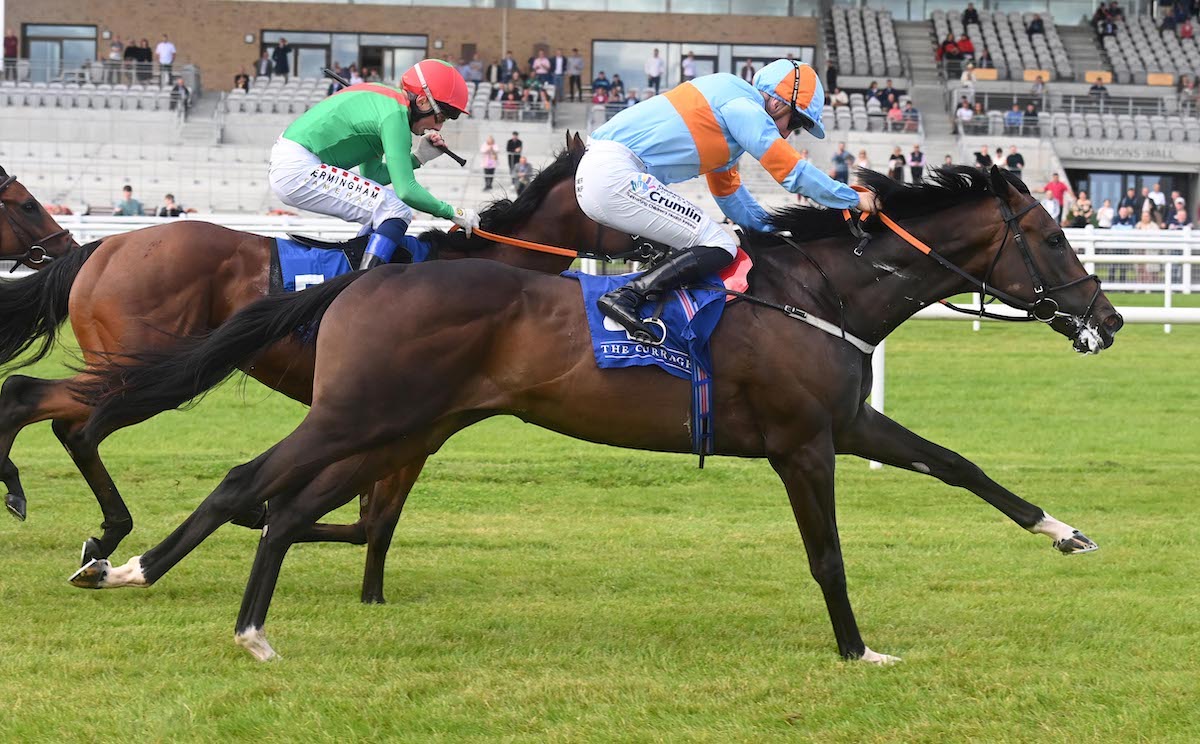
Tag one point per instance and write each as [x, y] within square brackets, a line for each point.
[254, 640]
[91, 575]
[16, 505]
[1076, 544]
[373, 599]
[91, 552]
[873, 657]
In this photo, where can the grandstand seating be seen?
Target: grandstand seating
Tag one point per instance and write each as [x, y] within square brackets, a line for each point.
[1012, 51]
[1139, 49]
[85, 96]
[865, 42]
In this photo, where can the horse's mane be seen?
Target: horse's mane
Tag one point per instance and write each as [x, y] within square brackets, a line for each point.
[949, 186]
[503, 215]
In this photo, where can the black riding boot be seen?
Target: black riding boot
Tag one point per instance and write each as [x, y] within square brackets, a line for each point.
[682, 267]
[370, 261]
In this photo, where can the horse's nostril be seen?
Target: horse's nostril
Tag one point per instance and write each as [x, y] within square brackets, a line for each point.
[1114, 322]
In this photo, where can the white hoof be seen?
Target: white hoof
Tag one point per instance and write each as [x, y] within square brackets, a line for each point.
[128, 575]
[254, 640]
[872, 657]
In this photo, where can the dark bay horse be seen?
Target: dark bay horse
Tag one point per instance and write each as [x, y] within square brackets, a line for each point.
[143, 290]
[515, 342]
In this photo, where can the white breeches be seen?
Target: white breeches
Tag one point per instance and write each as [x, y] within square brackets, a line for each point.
[301, 180]
[614, 189]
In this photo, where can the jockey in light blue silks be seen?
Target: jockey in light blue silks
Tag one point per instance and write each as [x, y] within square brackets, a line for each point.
[701, 127]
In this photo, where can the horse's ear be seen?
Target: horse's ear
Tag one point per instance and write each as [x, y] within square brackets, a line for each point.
[999, 183]
[568, 140]
[574, 143]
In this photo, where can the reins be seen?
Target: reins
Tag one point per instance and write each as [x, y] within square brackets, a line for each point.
[643, 252]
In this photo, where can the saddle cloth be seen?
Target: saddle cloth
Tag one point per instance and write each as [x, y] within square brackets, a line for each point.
[299, 263]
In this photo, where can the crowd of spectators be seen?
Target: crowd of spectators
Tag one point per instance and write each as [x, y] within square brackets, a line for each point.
[128, 206]
[132, 61]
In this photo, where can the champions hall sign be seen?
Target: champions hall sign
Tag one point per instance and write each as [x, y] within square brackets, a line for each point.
[1118, 151]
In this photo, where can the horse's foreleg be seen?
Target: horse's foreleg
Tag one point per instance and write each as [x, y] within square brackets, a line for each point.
[118, 522]
[22, 402]
[876, 437]
[807, 472]
[386, 503]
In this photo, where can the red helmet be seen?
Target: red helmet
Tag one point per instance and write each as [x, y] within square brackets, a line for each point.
[441, 84]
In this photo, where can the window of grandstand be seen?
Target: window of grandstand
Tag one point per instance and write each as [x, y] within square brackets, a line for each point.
[700, 7]
[628, 59]
[55, 49]
[391, 54]
[920, 10]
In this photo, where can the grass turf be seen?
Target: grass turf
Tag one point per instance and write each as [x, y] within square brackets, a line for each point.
[551, 590]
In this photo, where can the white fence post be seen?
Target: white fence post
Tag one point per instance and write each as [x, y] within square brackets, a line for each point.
[1187, 266]
[878, 365]
[1167, 269]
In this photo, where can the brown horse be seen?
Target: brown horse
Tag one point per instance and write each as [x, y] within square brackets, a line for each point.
[143, 290]
[516, 342]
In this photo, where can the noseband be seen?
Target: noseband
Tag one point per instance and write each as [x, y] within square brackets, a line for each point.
[1043, 307]
[36, 254]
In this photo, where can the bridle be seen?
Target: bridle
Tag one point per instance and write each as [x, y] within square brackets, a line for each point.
[1043, 307]
[36, 254]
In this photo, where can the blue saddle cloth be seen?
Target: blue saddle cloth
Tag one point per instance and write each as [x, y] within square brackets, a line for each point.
[302, 266]
[690, 317]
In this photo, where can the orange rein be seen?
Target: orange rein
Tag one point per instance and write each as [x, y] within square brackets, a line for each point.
[904, 235]
[517, 242]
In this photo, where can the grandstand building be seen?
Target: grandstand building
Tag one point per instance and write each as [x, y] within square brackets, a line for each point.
[77, 126]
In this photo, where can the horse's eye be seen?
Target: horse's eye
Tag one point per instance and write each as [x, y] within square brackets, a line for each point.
[29, 207]
[1055, 241]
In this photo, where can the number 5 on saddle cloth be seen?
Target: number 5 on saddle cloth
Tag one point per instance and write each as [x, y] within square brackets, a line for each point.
[299, 262]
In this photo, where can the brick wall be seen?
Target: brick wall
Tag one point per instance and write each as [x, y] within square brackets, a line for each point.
[209, 33]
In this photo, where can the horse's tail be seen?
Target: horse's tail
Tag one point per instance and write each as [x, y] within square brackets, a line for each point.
[135, 386]
[34, 306]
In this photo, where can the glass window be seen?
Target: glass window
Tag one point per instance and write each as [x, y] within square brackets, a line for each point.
[768, 53]
[760, 7]
[576, 4]
[711, 7]
[638, 6]
[60, 32]
[295, 37]
[344, 51]
[393, 40]
[529, 4]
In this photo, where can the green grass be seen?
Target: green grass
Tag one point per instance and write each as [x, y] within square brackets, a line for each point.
[543, 589]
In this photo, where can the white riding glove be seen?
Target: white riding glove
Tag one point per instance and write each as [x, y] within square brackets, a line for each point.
[426, 150]
[734, 232]
[467, 219]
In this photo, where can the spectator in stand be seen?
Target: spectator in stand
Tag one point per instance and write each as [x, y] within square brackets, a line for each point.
[839, 98]
[181, 97]
[508, 66]
[12, 47]
[963, 115]
[841, 163]
[888, 91]
[1039, 87]
[474, 71]
[916, 164]
[1178, 220]
[541, 67]
[513, 148]
[912, 117]
[1124, 220]
[970, 15]
[998, 158]
[948, 160]
[747, 70]
[1036, 26]
[654, 68]
[862, 161]
[1104, 215]
[242, 80]
[1158, 197]
[144, 67]
[263, 66]
[1098, 91]
[966, 46]
[169, 208]
[575, 75]
[281, 55]
[1057, 188]
[1032, 129]
[522, 174]
[599, 95]
[1168, 24]
[616, 91]
[1052, 206]
[1081, 214]
[688, 67]
[112, 64]
[128, 206]
[873, 92]
[558, 70]
[1178, 201]
[831, 75]
[983, 60]
[896, 165]
[895, 118]
[373, 75]
[165, 54]
[983, 159]
[1107, 26]
[1130, 200]
[488, 155]
[950, 56]
[493, 74]
[464, 69]
[601, 83]
[966, 82]
[979, 118]
[631, 97]
[510, 104]
[129, 61]
[1186, 30]
[1015, 161]
[356, 77]
[1013, 119]
[1147, 222]
[1146, 205]
[334, 85]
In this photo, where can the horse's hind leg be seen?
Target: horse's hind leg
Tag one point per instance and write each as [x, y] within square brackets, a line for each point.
[387, 501]
[876, 437]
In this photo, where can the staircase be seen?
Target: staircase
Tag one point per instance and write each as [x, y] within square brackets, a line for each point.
[916, 42]
[1083, 49]
[202, 126]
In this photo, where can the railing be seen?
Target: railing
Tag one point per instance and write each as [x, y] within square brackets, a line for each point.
[114, 72]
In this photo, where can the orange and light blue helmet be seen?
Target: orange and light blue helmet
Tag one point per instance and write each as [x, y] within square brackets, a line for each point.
[796, 84]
